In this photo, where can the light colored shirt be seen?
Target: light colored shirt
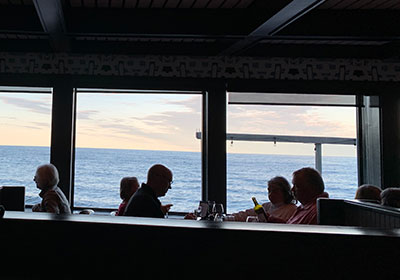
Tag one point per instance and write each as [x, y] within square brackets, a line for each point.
[282, 212]
[54, 201]
[306, 214]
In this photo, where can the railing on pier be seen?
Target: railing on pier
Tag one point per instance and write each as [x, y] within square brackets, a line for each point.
[317, 141]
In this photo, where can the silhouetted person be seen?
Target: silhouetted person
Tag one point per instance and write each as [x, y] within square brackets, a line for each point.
[391, 197]
[308, 186]
[128, 186]
[368, 193]
[53, 199]
[145, 202]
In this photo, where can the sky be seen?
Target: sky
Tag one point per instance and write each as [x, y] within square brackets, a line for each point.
[169, 122]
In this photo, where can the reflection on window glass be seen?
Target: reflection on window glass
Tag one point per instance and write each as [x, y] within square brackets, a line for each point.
[251, 164]
[122, 134]
[25, 123]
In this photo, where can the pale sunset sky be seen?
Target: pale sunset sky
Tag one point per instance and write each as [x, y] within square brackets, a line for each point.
[169, 122]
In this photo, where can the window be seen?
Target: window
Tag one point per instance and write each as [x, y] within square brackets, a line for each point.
[124, 132]
[25, 123]
[261, 154]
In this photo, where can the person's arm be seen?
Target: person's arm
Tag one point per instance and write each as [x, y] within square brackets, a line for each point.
[242, 215]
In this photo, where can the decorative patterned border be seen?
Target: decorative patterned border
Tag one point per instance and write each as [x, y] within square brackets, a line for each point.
[201, 67]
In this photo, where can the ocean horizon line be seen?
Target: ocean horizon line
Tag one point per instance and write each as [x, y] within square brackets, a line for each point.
[126, 149]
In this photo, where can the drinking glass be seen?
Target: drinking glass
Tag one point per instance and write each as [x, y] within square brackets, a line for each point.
[198, 212]
[252, 219]
[218, 210]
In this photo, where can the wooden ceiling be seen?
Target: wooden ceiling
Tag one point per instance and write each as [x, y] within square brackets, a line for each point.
[208, 4]
[360, 4]
[330, 28]
[165, 4]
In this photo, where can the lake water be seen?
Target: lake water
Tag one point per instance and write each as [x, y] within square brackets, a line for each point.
[99, 171]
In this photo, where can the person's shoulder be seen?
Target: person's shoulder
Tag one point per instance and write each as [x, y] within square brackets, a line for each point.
[50, 194]
[138, 199]
[140, 194]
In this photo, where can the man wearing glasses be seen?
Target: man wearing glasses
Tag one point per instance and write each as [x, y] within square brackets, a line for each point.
[145, 202]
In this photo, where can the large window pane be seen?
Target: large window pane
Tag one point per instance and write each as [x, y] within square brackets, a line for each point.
[25, 123]
[120, 133]
[252, 163]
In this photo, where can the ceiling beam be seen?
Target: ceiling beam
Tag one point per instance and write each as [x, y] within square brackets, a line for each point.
[51, 15]
[290, 13]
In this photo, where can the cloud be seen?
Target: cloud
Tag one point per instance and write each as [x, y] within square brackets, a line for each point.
[35, 106]
[165, 129]
[31, 127]
[288, 120]
[191, 104]
[41, 124]
[86, 114]
[174, 126]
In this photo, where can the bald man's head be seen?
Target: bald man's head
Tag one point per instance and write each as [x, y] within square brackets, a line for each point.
[159, 178]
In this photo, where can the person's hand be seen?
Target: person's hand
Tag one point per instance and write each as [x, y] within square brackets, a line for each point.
[165, 208]
[190, 216]
[36, 208]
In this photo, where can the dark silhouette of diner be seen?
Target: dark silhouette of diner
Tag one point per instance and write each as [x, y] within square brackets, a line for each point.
[391, 197]
[145, 202]
[368, 193]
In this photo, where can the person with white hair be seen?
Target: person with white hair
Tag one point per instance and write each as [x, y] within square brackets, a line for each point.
[53, 199]
[281, 203]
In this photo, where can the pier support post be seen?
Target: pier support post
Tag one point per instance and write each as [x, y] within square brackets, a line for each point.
[318, 157]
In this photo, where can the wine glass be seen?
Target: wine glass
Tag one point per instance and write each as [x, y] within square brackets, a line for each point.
[252, 219]
[218, 210]
[198, 212]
